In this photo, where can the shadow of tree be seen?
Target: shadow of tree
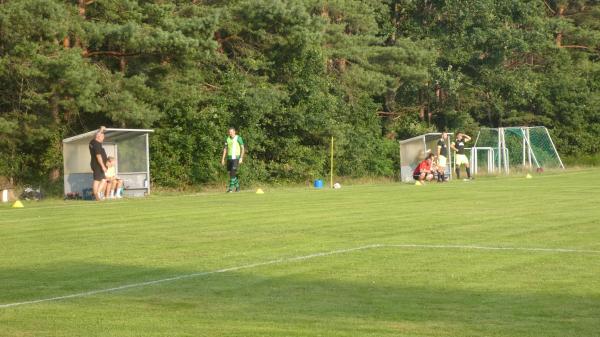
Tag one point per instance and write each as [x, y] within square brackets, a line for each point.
[251, 303]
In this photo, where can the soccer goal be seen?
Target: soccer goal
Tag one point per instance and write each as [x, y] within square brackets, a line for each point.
[499, 150]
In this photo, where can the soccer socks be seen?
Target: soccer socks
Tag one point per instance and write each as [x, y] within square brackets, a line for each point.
[234, 183]
[466, 169]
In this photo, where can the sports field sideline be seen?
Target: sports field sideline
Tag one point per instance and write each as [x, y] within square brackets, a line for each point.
[502, 256]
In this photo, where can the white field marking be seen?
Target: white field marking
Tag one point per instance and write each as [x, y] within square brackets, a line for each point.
[187, 276]
[528, 249]
[293, 259]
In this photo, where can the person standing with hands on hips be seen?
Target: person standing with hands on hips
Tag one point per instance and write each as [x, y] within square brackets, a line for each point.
[234, 151]
[461, 158]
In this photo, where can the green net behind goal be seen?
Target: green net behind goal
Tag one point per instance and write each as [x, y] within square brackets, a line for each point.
[514, 148]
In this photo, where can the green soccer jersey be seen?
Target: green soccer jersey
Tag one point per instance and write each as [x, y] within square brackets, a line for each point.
[234, 147]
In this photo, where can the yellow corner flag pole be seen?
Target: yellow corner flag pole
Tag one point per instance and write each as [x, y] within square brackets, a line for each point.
[331, 166]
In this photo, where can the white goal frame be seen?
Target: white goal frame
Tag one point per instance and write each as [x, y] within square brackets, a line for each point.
[499, 157]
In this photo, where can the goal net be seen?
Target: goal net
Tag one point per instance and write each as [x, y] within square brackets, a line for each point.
[516, 148]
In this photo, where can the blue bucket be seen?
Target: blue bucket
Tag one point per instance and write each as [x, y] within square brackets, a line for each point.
[88, 194]
[318, 183]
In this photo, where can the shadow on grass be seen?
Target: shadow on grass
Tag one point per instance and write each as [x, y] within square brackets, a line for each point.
[252, 298]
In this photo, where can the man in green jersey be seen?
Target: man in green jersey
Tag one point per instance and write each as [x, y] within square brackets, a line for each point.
[234, 150]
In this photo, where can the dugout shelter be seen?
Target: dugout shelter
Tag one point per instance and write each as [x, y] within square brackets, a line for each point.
[414, 150]
[129, 146]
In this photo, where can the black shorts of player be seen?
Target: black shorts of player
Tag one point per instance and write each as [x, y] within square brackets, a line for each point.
[232, 164]
[416, 176]
[98, 173]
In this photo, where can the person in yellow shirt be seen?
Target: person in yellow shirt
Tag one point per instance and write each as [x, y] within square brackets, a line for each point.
[233, 150]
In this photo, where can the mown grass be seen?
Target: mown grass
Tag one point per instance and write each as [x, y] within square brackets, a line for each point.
[56, 248]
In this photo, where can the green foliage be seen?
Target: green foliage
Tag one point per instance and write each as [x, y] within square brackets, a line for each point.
[583, 160]
[288, 76]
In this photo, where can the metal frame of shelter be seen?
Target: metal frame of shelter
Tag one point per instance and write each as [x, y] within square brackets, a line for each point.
[413, 151]
[129, 146]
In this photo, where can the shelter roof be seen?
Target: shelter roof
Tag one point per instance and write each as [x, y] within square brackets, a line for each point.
[110, 135]
[424, 135]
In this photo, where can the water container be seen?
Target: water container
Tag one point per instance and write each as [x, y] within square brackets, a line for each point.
[318, 183]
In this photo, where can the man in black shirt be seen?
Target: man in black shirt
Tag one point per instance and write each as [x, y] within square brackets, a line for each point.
[98, 163]
[442, 157]
[461, 158]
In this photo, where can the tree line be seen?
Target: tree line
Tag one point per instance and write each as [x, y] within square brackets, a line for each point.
[289, 75]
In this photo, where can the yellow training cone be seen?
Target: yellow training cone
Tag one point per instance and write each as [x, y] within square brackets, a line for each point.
[18, 204]
[528, 176]
[260, 191]
[418, 183]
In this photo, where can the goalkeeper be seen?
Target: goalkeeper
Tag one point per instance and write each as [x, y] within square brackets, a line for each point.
[234, 150]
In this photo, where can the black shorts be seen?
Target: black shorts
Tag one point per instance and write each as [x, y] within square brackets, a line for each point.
[418, 176]
[98, 173]
[232, 164]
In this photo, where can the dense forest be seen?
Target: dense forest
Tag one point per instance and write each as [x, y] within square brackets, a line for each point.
[289, 75]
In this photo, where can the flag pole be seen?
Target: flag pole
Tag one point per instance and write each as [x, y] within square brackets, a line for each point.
[331, 165]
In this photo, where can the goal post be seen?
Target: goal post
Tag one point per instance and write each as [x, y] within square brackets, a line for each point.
[544, 149]
[520, 148]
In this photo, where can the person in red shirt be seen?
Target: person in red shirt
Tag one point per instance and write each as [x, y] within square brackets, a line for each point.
[423, 171]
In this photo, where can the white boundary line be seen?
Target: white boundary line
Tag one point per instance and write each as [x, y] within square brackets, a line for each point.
[549, 250]
[187, 276]
[293, 259]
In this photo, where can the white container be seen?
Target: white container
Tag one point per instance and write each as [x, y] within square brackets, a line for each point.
[4, 195]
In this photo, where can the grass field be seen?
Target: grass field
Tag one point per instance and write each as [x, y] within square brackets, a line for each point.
[370, 260]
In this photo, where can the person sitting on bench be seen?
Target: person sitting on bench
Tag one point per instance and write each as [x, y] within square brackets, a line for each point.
[113, 183]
